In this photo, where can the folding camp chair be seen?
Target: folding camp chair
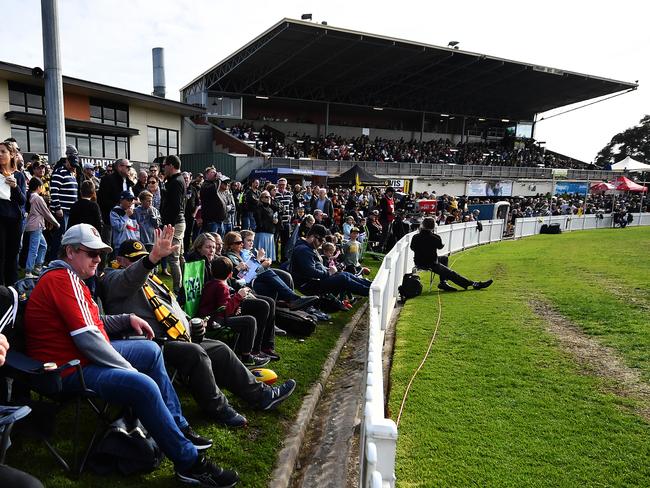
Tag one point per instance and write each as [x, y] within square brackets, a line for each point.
[28, 374]
[431, 274]
[8, 416]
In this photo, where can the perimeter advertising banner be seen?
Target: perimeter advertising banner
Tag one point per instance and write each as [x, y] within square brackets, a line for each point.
[480, 188]
[571, 188]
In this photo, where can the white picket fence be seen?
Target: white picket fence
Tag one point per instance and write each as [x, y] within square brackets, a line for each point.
[378, 433]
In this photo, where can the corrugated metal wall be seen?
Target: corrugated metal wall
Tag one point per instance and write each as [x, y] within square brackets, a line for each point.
[196, 163]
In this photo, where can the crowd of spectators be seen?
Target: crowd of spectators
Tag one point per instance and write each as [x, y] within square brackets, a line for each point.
[441, 151]
[260, 242]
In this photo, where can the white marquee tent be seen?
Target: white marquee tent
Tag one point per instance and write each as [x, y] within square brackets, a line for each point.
[629, 164]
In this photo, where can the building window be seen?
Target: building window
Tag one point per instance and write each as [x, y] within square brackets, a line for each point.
[96, 146]
[30, 139]
[109, 113]
[25, 98]
[161, 142]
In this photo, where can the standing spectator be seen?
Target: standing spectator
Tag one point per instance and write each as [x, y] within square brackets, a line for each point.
[124, 224]
[322, 203]
[284, 200]
[141, 184]
[110, 189]
[89, 174]
[64, 189]
[227, 198]
[85, 210]
[251, 202]
[213, 208]
[38, 213]
[266, 218]
[153, 187]
[172, 212]
[148, 218]
[237, 195]
[191, 206]
[41, 171]
[12, 199]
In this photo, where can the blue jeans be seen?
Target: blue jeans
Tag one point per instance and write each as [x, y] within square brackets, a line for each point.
[271, 285]
[248, 221]
[148, 391]
[344, 281]
[210, 227]
[37, 249]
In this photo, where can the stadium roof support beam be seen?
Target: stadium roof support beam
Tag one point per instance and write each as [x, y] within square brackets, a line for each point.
[208, 81]
[284, 61]
[314, 68]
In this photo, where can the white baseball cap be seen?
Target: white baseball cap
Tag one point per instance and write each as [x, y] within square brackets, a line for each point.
[86, 235]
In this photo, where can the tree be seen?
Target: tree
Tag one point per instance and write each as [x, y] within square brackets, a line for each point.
[633, 142]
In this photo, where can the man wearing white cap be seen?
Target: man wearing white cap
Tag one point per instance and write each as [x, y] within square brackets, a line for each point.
[62, 323]
[89, 174]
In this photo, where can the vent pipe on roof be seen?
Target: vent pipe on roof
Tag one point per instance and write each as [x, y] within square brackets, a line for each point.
[158, 54]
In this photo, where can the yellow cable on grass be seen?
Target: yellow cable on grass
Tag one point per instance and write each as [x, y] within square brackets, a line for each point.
[426, 355]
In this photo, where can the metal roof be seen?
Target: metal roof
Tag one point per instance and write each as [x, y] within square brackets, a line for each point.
[307, 61]
[23, 74]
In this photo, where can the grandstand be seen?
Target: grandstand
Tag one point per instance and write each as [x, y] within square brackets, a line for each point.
[303, 90]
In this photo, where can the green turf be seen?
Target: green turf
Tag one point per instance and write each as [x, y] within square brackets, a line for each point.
[498, 402]
[252, 450]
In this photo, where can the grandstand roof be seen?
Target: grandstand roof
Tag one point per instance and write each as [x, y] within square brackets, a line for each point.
[308, 61]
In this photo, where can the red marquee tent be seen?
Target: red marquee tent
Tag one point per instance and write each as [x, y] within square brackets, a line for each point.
[602, 186]
[625, 184]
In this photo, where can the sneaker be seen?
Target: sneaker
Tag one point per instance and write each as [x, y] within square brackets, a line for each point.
[229, 417]
[271, 354]
[277, 394]
[206, 473]
[444, 286]
[478, 285]
[347, 304]
[201, 443]
[279, 331]
[30, 275]
[302, 302]
[254, 361]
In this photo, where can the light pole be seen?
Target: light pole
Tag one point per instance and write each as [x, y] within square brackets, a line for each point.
[54, 118]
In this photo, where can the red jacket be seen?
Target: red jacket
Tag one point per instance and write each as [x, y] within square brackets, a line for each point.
[216, 293]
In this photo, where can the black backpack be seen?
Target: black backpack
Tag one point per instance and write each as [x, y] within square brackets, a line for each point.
[126, 448]
[411, 287]
[295, 322]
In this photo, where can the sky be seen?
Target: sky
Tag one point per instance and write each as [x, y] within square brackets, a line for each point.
[110, 41]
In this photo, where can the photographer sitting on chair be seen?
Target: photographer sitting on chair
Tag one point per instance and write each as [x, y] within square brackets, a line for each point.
[425, 245]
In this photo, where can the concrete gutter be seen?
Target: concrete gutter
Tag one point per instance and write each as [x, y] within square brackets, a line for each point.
[286, 459]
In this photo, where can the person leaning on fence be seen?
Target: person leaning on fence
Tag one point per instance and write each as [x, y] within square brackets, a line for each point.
[425, 245]
[62, 323]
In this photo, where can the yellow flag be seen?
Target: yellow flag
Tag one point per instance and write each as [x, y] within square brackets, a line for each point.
[357, 182]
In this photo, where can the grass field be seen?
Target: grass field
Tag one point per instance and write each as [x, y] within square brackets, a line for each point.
[252, 450]
[540, 380]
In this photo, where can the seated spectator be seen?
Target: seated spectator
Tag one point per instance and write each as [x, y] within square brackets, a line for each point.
[62, 323]
[38, 214]
[217, 294]
[266, 280]
[347, 225]
[85, 210]
[352, 254]
[123, 222]
[204, 248]
[425, 245]
[312, 276]
[208, 365]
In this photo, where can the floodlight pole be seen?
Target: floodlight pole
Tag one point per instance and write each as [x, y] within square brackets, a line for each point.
[327, 119]
[54, 118]
[422, 127]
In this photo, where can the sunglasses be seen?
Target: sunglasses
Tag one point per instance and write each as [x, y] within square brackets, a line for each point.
[92, 254]
[237, 243]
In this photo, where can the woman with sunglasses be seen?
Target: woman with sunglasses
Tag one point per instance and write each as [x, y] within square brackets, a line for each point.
[153, 187]
[266, 281]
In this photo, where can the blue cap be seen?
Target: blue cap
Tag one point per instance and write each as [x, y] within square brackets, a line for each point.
[127, 195]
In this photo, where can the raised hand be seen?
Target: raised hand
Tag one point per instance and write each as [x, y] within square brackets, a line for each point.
[163, 243]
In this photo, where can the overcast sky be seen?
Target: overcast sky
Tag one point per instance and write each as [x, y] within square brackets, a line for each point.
[110, 41]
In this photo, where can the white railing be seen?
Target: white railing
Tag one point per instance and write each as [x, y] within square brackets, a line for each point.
[378, 433]
[531, 226]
